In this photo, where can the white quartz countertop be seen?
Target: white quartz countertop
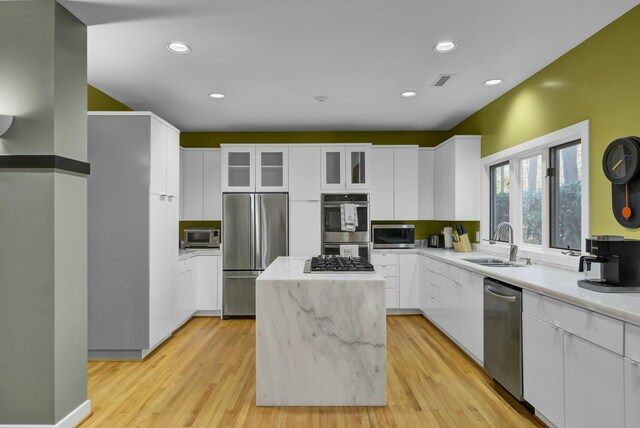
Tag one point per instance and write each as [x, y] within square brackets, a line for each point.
[543, 279]
[193, 252]
[292, 269]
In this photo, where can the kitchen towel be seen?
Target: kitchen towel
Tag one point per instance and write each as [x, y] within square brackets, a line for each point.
[348, 218]
[349, 251]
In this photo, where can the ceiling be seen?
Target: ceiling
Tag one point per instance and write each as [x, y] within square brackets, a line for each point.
[271, 58]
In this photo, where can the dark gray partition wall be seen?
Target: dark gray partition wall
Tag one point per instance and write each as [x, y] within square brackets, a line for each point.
[43, 215]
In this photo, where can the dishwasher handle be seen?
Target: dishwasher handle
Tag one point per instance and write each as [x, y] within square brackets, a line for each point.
[510, 299]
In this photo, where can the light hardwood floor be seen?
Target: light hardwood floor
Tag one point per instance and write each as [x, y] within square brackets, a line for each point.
[205, 376]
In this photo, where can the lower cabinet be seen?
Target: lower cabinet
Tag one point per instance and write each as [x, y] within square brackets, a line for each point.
[593, 384]
[543, 368]
[206, 283]
[409, 281]
[632, 393]
[185, 295]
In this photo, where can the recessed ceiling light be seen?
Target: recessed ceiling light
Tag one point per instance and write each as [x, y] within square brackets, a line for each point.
[217, 96]
[177, 47]
[444, 47]
[321, 98]
[493, 82]
[408, 94]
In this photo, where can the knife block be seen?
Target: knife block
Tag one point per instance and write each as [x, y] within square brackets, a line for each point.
[464, 246]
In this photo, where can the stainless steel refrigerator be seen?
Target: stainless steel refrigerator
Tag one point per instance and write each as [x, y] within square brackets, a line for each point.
[255, 231]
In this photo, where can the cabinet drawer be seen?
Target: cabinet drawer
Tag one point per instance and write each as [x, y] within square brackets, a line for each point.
[632, 342]
[471, 280]
[391, 282]
[384, 258]
[542, 307]
[386, 270]
[439, 267]
[597, 328]
[436, 292]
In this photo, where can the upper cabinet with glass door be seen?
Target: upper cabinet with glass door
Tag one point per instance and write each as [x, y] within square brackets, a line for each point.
[346, 167]
[238, 169]
[272, 169]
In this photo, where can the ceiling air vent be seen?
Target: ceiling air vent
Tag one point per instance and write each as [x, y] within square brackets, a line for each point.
[442, 79]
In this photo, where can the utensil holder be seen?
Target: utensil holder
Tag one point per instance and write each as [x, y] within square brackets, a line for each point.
[464, 246]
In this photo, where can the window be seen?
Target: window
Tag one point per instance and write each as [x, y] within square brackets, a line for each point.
[565, 184]
[531, 191]
[500, 199]
[541, 188]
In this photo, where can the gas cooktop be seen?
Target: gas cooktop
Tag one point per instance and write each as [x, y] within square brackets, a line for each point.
[337, 264]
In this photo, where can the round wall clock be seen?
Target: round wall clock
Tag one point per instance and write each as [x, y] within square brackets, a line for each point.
[621, 164]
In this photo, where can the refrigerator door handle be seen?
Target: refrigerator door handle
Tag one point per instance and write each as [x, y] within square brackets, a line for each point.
[257, 241]
[252, 233]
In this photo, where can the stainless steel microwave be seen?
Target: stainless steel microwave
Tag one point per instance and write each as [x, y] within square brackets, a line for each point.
[204, 237]
[393, 236]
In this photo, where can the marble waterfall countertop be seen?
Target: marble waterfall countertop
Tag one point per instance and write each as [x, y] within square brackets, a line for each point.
[544, 279]
[320, 338]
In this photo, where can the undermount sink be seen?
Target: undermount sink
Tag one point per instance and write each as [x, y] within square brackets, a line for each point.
[492, 262]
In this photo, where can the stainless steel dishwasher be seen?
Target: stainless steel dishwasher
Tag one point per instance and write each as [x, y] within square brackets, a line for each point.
[503, 335]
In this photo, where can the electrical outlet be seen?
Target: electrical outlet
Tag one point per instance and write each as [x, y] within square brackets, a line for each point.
[477, 236]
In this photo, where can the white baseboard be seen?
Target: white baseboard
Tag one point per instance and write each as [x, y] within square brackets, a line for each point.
[69, 421]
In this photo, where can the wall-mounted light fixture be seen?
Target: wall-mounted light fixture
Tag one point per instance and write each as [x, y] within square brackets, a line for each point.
[5, 123]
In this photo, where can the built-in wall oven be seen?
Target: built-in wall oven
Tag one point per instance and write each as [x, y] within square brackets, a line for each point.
[334, 234]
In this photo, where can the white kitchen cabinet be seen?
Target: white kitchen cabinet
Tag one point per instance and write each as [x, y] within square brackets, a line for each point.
[212, 186]
[632, 392]
[272, 168]
[173, 162]
[185, 295]
[470, 321]
[345, 167]
[202, 191]
[192, 173]
[206, 282]
[543, 368]
[405, 183]
[394, 183]
[304, 228]
[238, 168]
[358, 171]
[457, 179]
[386, 264]
[426, 187]
[333, 167]
[409, 281]
[157, 157]
[161, 290]
[304, 173]
[382, 184]
[593, 385]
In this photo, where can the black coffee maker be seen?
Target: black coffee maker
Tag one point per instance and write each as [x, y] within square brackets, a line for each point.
[619, 261]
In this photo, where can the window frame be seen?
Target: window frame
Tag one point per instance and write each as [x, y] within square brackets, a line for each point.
[514, 156]
[492, 192]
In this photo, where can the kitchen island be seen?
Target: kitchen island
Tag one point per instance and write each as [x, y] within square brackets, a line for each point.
[320, 337]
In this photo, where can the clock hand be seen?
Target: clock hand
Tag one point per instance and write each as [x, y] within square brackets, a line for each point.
[619, 162]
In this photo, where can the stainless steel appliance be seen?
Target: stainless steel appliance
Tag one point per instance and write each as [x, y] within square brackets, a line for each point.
[503, 335]
[613, 265]
[333, 235]
[393, 236]
[337, 264]
[202, 237]
[256, 230]
[435, 241]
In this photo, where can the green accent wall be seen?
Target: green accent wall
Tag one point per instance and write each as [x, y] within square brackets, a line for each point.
[598, 80]
[214, 139]
[425, 228]
[99, 101]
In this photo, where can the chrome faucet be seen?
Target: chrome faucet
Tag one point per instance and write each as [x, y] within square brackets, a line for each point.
[513, 248]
